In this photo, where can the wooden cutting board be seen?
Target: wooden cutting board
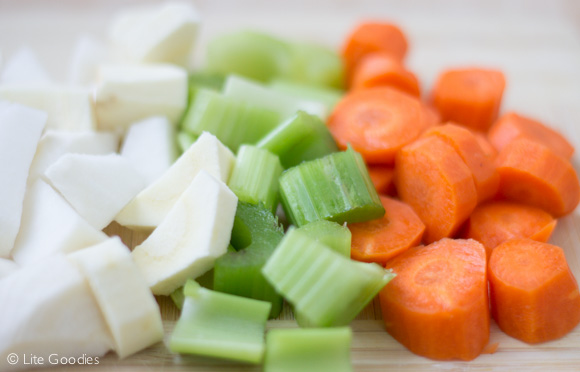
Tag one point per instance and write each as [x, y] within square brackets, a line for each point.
[536, 43]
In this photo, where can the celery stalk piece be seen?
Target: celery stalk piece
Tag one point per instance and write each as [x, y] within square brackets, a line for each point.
[205, 280]
[251, 54]
[325, 288]
[315, 65]
[336, 187]
[335, 236]
[231, 121]
[178, 297]
[255, 235]
[206, 79]
[255, 176]
[220, 325]
[297, 350]
[257, 94]
[300, 138]
[329, 97]
[185, 140]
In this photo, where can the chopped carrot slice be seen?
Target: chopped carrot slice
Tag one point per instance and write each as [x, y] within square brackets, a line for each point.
[485, 145]
[534, 296]
[437, 306]
[383, 178]
[470, 97]
[381, 239]
[381, 69]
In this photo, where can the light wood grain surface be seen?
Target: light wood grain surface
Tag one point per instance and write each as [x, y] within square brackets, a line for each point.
[536, 43]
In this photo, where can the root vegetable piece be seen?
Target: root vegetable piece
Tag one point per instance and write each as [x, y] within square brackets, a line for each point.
[512, 126]
[23, 67]
[470, 97]
[88, 53]
[195, 232]
[381, 239]
[50, 226]
[382, 69]
[531, 173]
[7, 267]
[485, 145]
[20, 130]
[129, 308]
[383, 179]
[495, 222]
[377, 122]
[482, 167]
[148, 209]
[433, 179]
[534, 296]
[437, 306]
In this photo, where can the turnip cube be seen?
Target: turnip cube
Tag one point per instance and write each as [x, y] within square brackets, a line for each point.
[87, 55]
[23, 67]
[7, 267]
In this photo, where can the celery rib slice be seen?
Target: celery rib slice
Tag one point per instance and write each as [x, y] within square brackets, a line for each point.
[329, 97]
[298, 350]
[336, 187]
[185, 140]
[220, 325]
[315, 65]
[325, 288]
[335, 236]
[255, 176]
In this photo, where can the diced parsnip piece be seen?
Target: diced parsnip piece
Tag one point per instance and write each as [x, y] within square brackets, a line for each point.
[163, 33]
[23, 67]
[220, 325]
[7, 267]
[54, 144]
[150, 206]
[150, 146]
[88, 53]
[129, 93]
[129, 308]
[20, 130]
[49, 226]
[68, 108]
[194, 233]
[97, 186]
[48, 309]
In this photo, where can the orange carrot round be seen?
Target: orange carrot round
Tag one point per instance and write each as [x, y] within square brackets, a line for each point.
[381, 69]
[531, 173]
[377, 122]
[511, 126]
[433, 179]
[437, 306]
[488, 150]
[482, 167]
[495, 222]
[371, 36]
[382, 239]
[470, 97]
[382, 178]
[534, 296]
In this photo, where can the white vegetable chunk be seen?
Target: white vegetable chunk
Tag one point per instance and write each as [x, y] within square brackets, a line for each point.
[129, 308]
[150, 146]
[97, 186]
[68, 108]
[88, 53]
[48, 308]
[54, 144]
[50, 226]
[163, 33]
[23, 67]
[129, 93]
[196, 231]
[7, 267]
[20, 130]
[150, 206]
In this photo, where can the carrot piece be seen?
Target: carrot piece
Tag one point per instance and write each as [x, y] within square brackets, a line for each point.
[488, 150]
[437, 306]
[511, 126]
[381, 69]
[432, 114]
[369, 37]
[377, 122]
[382, 177]
[482, 167]
[381, 239]
[534, 296]
[531, 173]
[432, 178]
[470, 97]
[495, 222]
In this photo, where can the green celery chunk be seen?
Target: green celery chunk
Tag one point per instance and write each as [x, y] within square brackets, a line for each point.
[301, 138]
[178, 297]
[252, 54]
[231, 121]
[335, 236]
[336, 187]
[315, 65]
[206, 79]
[220, 325]
[255, 235]
[325, 288]
[298, 350]
[184, 140]
[255, 176]
[329, 97]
